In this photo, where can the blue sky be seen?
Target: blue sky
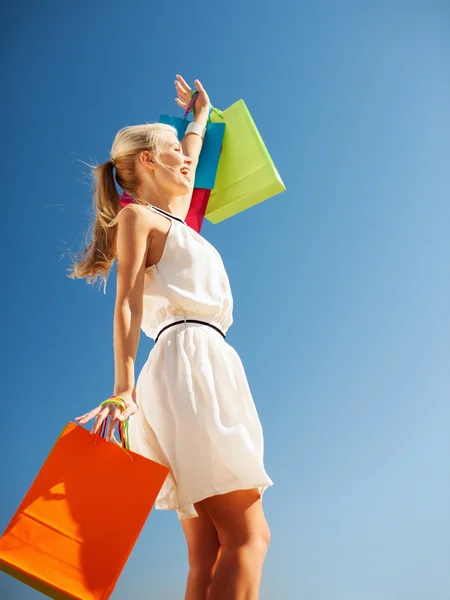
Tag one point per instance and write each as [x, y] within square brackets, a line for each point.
[341, 284]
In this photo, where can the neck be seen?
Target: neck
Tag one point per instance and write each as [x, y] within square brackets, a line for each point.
[175, 205]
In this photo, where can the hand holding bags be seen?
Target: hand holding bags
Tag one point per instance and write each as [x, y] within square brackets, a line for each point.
[75, 528]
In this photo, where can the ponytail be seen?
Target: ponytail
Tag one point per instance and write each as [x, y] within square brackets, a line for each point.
[96, 260]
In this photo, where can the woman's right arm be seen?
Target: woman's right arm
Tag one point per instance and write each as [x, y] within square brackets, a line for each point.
[133, 236]
[132, 246]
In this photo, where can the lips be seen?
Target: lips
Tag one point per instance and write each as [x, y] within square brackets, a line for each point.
[185, 172]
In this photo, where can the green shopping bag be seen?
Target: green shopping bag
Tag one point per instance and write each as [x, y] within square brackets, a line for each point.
[246, 174]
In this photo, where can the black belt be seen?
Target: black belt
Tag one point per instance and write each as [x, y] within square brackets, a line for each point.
[190, 321]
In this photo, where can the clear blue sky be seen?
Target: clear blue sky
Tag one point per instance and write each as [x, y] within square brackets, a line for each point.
[341, 284]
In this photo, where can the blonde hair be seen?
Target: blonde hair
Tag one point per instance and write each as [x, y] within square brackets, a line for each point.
[95, 261]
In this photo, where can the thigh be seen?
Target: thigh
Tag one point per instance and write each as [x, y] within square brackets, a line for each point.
[238, 517]
[201, 538]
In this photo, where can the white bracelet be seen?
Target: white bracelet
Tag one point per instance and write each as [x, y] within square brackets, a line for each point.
[196, 128]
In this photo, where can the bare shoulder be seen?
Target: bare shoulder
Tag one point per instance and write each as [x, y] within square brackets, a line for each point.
[137, 218]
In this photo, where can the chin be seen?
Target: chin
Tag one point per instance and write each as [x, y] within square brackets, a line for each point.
[181, 190]
[174, 186]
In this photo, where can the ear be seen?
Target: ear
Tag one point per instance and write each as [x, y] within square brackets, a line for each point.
[146, 159]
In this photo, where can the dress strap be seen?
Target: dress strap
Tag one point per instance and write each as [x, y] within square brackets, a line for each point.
[165, 213]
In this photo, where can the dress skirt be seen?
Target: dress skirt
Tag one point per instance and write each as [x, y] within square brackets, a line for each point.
[197, 417]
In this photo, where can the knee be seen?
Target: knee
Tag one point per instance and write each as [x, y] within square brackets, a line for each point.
[261, 539]
[256, 540]
[266, 535]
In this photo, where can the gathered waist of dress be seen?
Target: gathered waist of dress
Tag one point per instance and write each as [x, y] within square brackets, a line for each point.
[191, 321]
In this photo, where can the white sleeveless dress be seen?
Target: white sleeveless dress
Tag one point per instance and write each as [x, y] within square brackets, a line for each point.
[196, 412]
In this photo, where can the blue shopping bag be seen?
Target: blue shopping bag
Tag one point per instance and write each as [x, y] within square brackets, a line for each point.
[205, 176]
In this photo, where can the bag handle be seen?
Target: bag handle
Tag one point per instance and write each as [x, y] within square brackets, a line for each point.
[123, 425]
[191, 108]
[218, 112]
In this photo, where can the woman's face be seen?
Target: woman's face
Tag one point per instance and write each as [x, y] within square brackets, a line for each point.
[173, 176]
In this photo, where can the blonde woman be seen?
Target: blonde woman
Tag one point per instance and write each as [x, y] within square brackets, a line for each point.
[191, 408]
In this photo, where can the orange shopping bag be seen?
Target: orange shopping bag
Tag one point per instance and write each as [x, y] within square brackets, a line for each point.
[75, 528]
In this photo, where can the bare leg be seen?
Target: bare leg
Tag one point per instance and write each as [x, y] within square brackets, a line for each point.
[203, 550]
[244, 537]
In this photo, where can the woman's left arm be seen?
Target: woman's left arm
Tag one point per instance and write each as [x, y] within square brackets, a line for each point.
[191, 142]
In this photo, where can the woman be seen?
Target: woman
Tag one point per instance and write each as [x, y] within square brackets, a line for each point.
[196, 413]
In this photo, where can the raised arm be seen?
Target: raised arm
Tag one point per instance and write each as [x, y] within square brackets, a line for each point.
[192, 143]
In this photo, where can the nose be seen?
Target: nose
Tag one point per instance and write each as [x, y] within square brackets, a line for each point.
[187, 160]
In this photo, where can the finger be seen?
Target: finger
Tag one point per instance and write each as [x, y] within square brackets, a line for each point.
[182, 95]
[92, 413]
[88, 416]
[85, 416]
[180, 103]
[198, 86]
[181, 89]
[99, 420]
[127, 413]
[183, 84]
[112, 423]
